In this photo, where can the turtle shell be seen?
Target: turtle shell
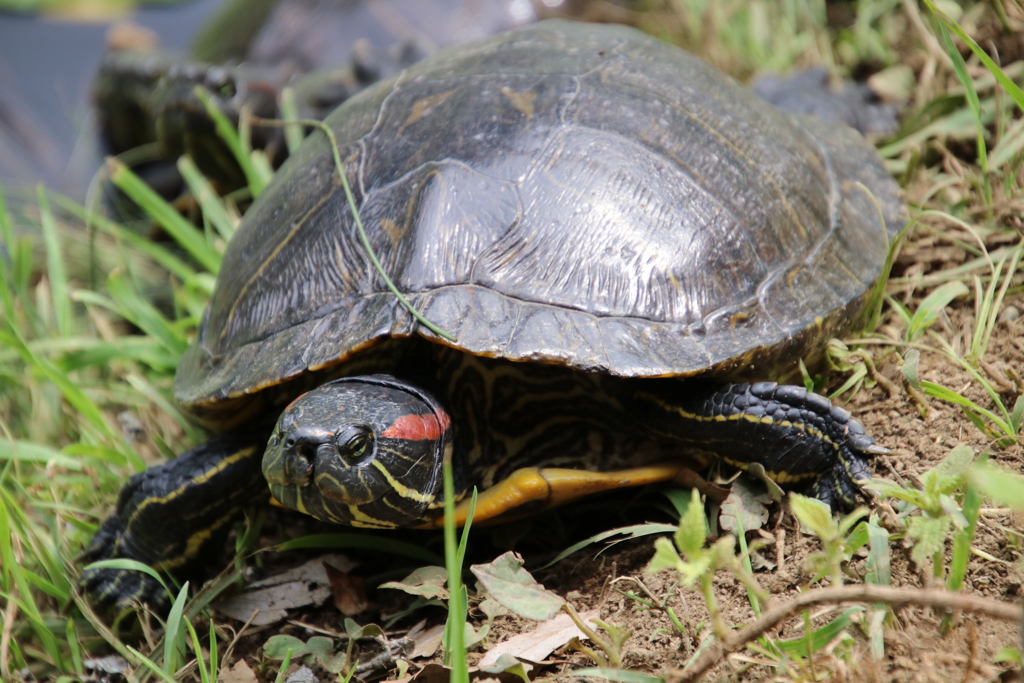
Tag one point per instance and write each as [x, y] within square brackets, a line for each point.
[564, 193]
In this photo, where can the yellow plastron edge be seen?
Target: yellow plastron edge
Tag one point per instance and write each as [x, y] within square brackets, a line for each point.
[532, 489]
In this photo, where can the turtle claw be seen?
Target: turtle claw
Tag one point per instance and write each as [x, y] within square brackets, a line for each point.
[840, 488]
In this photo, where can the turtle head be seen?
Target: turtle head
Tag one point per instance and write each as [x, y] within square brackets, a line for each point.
[364, 451]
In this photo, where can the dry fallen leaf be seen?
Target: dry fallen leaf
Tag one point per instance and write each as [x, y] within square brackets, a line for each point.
[349, 591]
[537, 644]
[425, 640]
[239, 673]
[272, 597]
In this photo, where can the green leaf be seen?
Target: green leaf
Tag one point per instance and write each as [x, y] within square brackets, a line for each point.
[1000, 484]
[693, 527]
[930, 534]
[888, 489]
[963, 538]
[619, 675]
[1008, 654]
[426, 581]
[320, 646]
[665, 557]
[950, 471]
[814, 515]
[819, 638]
[847, 521]
[933, 304]
[878, 567]
[506, 663]
[279, 647]
[697, 566]
[516, 589]
[910, 367]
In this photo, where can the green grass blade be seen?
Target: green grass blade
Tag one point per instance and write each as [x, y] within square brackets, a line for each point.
[928, 312]
[628, 533]
[160, 254]
[293, 129]
[209, 201]
[72, 393]
[960, 68]
[255, 177]
[1012, 88]
[617, 675]
[14, 579]
[819, 638]
[55, 271]
[31, 452]
[879, 561]
[175, 632]
[152, 666]
[455, 629]
[365, 241]
[962, 541]
[145, 315]
[364, 541]
[184, 233]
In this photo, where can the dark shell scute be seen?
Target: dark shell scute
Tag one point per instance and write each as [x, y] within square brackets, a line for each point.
[564, 193]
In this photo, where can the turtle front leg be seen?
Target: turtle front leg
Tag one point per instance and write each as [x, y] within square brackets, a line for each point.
[175, 516]
[799, 438]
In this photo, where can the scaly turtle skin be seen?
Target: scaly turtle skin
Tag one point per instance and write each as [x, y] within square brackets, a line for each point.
[610, 230]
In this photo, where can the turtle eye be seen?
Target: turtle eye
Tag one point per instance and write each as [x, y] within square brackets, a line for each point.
[355, 442]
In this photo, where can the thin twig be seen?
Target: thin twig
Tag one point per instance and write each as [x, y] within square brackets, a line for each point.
[896, 597]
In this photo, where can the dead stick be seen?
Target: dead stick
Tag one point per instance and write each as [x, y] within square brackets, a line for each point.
[896, 597]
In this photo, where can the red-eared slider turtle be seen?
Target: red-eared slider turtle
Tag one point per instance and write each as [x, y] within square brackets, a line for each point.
[608, 228]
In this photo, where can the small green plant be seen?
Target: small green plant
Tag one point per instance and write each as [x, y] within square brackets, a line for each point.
[698, 565]
[939, 510]
[320, 650]
[816, 517]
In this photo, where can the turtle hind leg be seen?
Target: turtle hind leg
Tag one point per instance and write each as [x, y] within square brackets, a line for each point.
[800, 439]
[174, 516]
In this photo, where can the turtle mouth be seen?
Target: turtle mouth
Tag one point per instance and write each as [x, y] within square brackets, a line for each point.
[317, 481]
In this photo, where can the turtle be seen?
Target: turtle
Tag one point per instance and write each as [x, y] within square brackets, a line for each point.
[617, 249]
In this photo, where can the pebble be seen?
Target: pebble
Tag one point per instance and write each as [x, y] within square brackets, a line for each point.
[1009, 314]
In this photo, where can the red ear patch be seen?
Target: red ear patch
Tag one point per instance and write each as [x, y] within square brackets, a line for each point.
[419, 427]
